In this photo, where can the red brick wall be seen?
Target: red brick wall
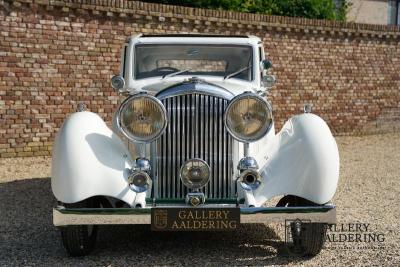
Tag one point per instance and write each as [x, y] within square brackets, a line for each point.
[54, 55]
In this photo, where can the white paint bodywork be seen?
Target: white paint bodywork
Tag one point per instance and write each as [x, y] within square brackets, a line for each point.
[302, 160]
[89, 159]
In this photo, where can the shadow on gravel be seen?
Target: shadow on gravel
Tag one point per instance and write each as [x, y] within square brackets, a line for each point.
[27, 237]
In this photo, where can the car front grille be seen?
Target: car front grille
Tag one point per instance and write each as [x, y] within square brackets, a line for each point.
[195, 130]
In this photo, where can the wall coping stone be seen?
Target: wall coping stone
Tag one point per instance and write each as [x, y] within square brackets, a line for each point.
[162, 13]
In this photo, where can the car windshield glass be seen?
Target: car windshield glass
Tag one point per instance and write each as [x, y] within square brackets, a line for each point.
[167, 60]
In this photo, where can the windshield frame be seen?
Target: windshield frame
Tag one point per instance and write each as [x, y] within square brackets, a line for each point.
[252, 55]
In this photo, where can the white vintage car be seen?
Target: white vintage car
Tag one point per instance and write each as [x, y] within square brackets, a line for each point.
[193, 148]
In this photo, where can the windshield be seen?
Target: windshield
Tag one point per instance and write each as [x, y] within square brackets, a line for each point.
[167, 60]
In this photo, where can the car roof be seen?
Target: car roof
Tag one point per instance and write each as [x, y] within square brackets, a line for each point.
[194, 38]
[194, 35]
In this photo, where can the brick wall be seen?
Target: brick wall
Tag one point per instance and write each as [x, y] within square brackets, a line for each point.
[55, 54]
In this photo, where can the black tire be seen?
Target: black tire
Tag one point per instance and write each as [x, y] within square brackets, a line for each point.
[308, 238]
[79, 240]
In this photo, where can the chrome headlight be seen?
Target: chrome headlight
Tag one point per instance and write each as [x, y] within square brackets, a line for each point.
[142, 118]
[248, 117]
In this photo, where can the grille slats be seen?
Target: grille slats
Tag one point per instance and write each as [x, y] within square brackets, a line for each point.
[195, 130]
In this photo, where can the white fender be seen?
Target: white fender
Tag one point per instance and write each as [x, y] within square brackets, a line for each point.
[89, 160]
[304, 162]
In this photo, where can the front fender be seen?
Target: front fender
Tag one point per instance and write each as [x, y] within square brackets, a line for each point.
[89, 160]
[305, 162]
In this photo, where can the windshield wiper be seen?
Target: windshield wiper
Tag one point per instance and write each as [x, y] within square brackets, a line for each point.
[175, 73]
[233, 74]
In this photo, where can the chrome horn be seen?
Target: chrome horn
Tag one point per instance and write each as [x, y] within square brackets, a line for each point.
[249, 176]
[139, 180]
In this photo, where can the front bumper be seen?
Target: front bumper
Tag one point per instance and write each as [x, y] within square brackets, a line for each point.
[63, 216]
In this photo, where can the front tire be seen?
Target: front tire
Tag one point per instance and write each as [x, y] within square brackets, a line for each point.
[79, 240]
[308, 238]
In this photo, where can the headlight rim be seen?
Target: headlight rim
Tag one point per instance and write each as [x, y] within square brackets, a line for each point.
[251, 95]
[129, 136]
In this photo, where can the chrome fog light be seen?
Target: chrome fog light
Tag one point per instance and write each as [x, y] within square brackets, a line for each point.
[195, 173]
[139, 181]
[250, 179]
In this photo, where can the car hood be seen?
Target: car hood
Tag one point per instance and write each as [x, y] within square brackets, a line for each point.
[195, 85]
[234, 86]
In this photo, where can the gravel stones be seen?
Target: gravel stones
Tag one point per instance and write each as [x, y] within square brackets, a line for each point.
[369, 192]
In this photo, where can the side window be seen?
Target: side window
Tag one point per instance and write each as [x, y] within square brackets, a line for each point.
[394, 12]
[260, 58]
[260, 53]
[123, 65]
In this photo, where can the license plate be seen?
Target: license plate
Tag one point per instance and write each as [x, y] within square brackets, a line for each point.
[195, 219]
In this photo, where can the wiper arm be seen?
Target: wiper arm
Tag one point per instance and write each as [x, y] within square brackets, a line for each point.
[233, 74]
[175, 73]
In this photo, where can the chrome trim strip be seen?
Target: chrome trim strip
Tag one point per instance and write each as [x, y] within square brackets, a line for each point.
[215, 145]
[64, 217]
[178, 143]
[172, 142]
[192, 126]
[184, 133]
[261, 215]
[211, 148]
[154, 168]
[221, 149]
[206, 136]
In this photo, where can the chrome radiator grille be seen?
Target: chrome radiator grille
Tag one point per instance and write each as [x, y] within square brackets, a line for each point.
[195, 130]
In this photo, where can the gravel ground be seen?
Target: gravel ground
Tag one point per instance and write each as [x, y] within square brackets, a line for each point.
[368, 193]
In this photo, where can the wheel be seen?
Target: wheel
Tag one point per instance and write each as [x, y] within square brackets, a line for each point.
[308, 238]
[79, 240]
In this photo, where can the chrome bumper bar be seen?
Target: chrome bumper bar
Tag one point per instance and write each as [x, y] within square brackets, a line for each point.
[63, 216]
